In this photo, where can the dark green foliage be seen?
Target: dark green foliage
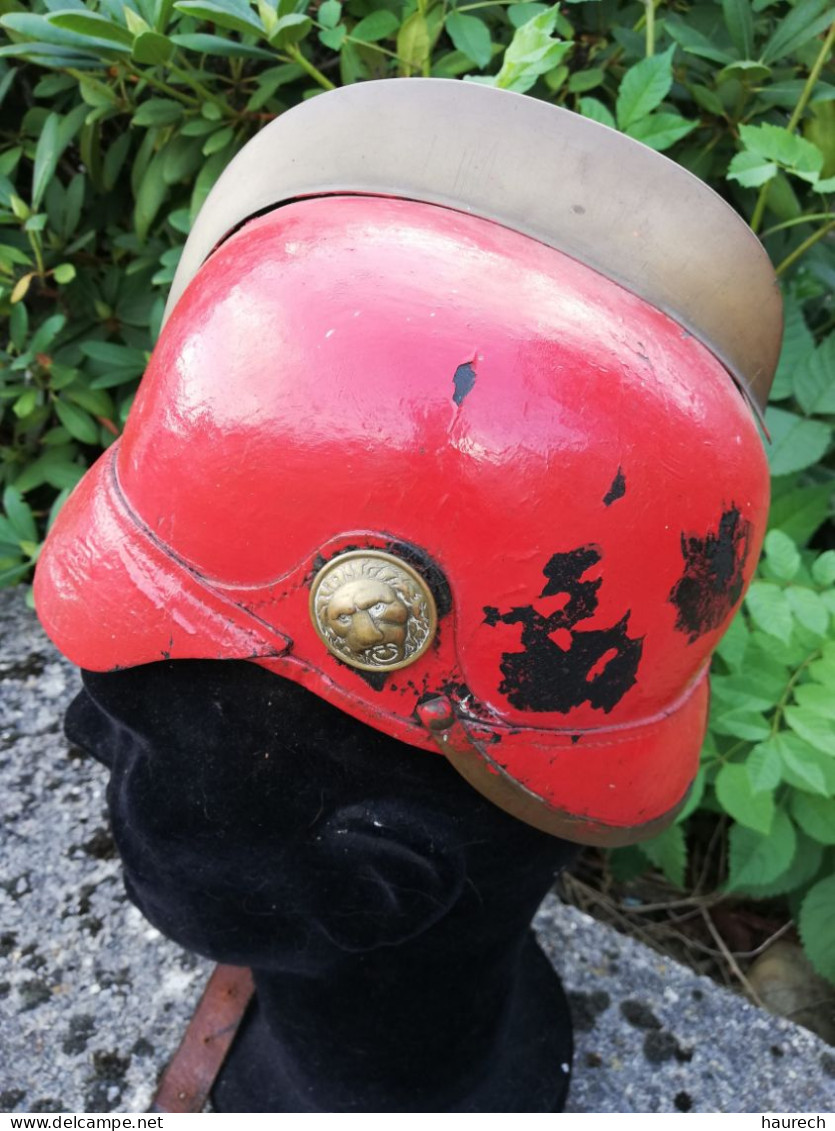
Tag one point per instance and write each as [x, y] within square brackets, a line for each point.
[118, 117]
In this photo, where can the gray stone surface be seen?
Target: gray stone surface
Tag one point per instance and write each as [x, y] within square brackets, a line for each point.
[93, 1000]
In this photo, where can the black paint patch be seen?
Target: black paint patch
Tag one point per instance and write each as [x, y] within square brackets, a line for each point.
[463, 380]
[429, 570]
[375, 680]
[547, 677]
[711, 584]
[617, 490]
[456, 690]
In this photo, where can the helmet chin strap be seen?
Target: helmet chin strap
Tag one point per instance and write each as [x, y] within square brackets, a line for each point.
[469, 757]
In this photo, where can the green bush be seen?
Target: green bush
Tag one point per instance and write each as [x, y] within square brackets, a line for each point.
[118, 117]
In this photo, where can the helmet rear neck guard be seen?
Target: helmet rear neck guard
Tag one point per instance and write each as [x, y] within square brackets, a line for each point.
[567, 181]
[459, 484]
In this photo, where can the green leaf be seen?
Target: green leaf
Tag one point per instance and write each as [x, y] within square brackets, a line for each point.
[413, 43]
[823, 568]
[376, 26]
[660, 131]
[290, 29]
[740, 24]
[816, 924]
[151, 194]
[804, 867]
[800, 511]
[207, 176]
[581, 81]
[755, 858]
[94, 401]
[19, 515]
[783, 558]
[115, 356]
[694, 796]
[644, 87]
[269, 81]
[594, 109]
[93, 26]
[805, 21]
[796, 443]
[114, 160]
[823, 670]
[695, 42]
[218, 141]
[760, 685]
[333, 37]
[532, 52]
[627, 864]
[158, 112]
[77, 422]
[808, 608]
[733, 644]
[789, 150]
[816, 816]
[744, 71]
[800, 763]
[330, 13]
[182, 159]
[798, 344]
[753, 809]
[64, 273]
[235, 15]
[47, 154]
[55, 467]
[152, 49]
[523, 10]
[471, 36]
[25, 403]
[804, 772]
[740, 722]
[751, 170]
[204, 44]
[814, 728]
[814, 384]
[668, 851]
[769, 610]
[764, 767]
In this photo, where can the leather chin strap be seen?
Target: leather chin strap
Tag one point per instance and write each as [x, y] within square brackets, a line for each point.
[470, 758]
[193, 1069]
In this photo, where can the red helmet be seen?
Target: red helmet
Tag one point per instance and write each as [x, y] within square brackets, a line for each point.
[484, 484]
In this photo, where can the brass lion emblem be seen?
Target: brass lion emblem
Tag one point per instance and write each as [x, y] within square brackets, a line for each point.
[372, 610]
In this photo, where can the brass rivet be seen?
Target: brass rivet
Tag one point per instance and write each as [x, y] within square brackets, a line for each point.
[372, 610]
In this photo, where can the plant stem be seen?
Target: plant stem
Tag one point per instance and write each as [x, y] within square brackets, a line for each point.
[798, 220]
[804, 247]
[158, 84]
[35, 243]
[787, 694]
[295, 54]
[198, 87]
[797, 114]
[376, 46]
[650, 28]
[814, 74]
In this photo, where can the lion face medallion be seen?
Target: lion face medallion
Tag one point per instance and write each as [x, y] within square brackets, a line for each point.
[372, 610]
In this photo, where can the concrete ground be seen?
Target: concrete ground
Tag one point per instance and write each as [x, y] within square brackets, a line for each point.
[93, 1000]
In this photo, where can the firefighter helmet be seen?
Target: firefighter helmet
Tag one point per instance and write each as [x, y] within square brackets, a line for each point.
[448, 424]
